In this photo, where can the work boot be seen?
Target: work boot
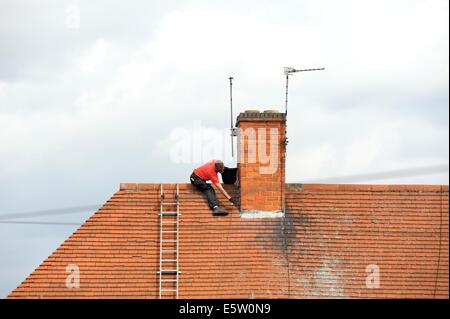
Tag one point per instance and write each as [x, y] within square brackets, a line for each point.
[219, 212]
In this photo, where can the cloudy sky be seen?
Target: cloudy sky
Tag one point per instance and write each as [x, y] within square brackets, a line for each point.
[92, 94]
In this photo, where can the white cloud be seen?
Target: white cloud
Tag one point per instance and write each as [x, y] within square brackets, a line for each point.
[373, 52]
[96, 56]
[331, 143]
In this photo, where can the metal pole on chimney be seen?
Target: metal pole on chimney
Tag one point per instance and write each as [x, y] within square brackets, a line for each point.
[288, 71]
[287, 82]
[231, 115]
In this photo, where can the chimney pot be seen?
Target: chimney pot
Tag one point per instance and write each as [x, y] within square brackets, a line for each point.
[270, 111]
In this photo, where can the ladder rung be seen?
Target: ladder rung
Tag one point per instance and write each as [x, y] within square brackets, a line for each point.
[169, 203]
[169, 214]
[168, 260]
[169, 241]
[169, 271]
[168, 231]
[169, 251]
[168, 290]
[169, 280]
[175, 222]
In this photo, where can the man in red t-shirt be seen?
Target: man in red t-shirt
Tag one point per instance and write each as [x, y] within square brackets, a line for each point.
[208, 172]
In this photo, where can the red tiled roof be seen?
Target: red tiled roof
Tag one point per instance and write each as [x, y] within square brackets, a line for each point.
[329, 235]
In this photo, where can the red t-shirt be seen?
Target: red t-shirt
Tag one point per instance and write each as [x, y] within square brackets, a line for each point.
[208, 172]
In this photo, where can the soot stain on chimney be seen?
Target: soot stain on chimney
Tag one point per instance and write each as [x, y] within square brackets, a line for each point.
[303, 220]
[281, 235]
[287, 232]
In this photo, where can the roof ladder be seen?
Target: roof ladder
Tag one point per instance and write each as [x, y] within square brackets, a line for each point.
[169, 221]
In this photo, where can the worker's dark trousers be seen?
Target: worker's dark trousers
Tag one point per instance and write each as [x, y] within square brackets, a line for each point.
[206, 189]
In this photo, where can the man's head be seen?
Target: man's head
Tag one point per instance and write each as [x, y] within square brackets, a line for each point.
[220, 166]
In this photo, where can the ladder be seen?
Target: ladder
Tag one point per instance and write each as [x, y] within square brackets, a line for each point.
[169, 221]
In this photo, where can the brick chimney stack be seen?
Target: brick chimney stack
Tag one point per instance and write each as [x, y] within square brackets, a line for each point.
[261, 162]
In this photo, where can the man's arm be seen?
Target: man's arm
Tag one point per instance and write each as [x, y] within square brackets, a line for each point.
[220, 187]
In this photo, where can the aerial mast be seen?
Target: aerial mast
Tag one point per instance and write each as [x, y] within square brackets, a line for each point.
[232, 129]
[288, 71]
